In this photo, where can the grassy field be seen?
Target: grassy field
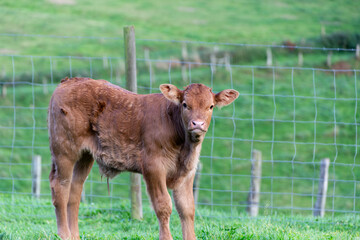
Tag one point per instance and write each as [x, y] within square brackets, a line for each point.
[264, 22]
[34, 219]
[326, 111]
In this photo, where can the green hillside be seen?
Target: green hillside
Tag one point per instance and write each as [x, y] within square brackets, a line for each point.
[264, 22]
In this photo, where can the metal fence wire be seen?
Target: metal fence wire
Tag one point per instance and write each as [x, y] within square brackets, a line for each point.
[294, 115]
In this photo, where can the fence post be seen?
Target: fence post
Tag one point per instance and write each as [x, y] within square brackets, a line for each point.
[319, 208]
[185, 58]
[300, 58]
[268, 57]
[3, 91]
[105, 62]
[149, 65]
[184, 52]
[45, 87]
[323, 30]
[328, 59]
[119, 68]
[131, 85]
[254, 194]
[130, 58]
[147, 56]
[213, 61]
[227, 61]
[36, 175]
[357, 53]
[196, 184]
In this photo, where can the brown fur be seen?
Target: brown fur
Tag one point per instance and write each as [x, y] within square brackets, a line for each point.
[157, 135]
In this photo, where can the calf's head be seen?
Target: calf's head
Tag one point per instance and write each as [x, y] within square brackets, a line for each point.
[197, 102]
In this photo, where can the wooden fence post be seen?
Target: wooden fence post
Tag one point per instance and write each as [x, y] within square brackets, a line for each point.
[269, 61]
[3, 90]
[300, 59]
[149, 65]
[213, 61]
[254, 194]
[105, 62]
[357, 53]
[45, 86]
[196, 184]
[328, 59]
[227, 61]
[119, 69]
[319, 208]
[185, 58]
[36, 175]
[130, 58]
[147, 56]
[323, 30]
[184, 52]
[131, 85]
[213, 58]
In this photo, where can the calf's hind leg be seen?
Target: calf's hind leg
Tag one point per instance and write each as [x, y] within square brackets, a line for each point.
[60, 180]
[81, 171]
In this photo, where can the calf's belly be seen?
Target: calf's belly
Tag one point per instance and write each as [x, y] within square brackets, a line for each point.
[116, 160]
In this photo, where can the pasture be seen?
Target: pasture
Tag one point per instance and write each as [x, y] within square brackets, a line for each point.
[29, 219]
[295, 115]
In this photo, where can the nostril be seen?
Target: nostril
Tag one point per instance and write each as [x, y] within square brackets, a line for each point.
[197, 123]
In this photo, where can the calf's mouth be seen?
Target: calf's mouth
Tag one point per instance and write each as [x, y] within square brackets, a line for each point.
[196, 134]
[197, 131]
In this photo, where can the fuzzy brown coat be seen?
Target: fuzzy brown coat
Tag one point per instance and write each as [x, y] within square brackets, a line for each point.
[157, 135]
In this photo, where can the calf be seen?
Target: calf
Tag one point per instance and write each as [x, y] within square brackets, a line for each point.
[157, 135]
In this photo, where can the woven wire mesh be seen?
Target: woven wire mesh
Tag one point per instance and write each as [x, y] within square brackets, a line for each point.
[295, 116]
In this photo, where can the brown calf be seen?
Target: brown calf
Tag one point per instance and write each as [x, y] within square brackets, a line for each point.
[157, 135]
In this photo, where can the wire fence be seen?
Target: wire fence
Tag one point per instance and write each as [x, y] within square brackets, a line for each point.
[294, 115]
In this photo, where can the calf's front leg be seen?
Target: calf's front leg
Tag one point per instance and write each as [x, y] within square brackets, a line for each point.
[184, 202]
[156, 186]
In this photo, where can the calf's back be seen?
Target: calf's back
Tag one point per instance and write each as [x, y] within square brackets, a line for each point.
[116, 126]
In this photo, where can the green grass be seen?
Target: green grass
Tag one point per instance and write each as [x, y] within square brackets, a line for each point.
[26, 218]
[213, 21]
[288, 188]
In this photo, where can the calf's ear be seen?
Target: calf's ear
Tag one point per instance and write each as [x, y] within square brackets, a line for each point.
[225, 97]
[171, 92]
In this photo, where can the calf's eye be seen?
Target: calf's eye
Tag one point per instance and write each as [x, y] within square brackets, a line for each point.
[212, 106]
[184, 105]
